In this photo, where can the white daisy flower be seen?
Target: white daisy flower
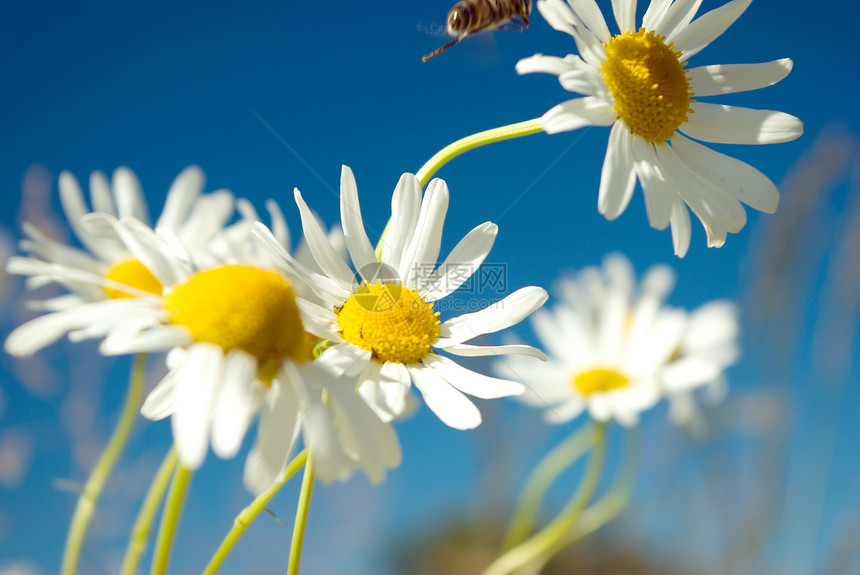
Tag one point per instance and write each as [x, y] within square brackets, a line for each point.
[384, 329]
[636, 82]
[616, 349]
[709, 345]
[188, 217]
[237, 348]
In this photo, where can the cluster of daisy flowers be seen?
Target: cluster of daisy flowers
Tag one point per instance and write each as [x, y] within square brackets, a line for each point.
[242, 320]
[326, 345]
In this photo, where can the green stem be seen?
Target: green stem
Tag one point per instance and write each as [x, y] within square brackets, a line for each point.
[462, 145]
[613, 502]
[301, 517]
[170, 519]
[451, 151]
[547, 471]
[249, 513]
[605, 510]
[89, 498]
[143, 524]
[545, 540]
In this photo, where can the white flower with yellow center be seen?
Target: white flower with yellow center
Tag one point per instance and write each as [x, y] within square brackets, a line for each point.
[616, 349]
[637, 83]
[188, 217]
[237, 348]
[384, 329]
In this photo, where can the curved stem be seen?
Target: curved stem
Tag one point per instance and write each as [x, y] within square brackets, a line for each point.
[301, 517]
[544, 540]
[170, 519]
[605, 510]
[88, 500]
[462, 145]
[611, 504]
[550, 467]
[249, 513]
[451, 151]
[143, 524]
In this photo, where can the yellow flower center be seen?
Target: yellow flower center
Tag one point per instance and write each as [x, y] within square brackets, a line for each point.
[648, 81]
[596, 380]
[133, 274]
[242, 307]
[392, 322]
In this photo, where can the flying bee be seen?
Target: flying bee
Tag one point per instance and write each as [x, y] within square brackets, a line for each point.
[472, 16]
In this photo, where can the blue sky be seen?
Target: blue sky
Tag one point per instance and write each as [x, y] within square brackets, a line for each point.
[272, 96]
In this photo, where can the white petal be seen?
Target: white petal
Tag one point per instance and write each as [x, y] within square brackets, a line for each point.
[197, 386]
[100, 193]
[330, 287]
[707, 28]
[584, 81]
[161, 401]
[357, 243]
[280, 423]
[677, 17]
[713, 330]
[503, 314]
[560, 16]
[553, 337]
[727, 79]
[591, 16]
[733, 125]
[470, 382]
[548, 64]
[655, 13]
[743, 181]
[372, 442]
[326, 256]
[147, 247]
[369, 389]
[681, 228]
[618, 176]
[344, 359]
[162, 338]
[466, 350]
[208, 216]
[384, 387]
[578, 113]
[625, 14]
[320, 434]
[463, 261]
[130, 202]
[564, 412]
[72, 201]
[279, 224]
[451, 406]
[659, 196]
[405, 206]
[183, 191]
[719, 212]
[45, 330]
[689, 372]
[238, 402]
[423, 250]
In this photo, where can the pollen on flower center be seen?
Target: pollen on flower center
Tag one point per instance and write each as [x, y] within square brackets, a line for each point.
[241, 307]
[392, 322]
[649, 84]
[599, 380]
[133, 274]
